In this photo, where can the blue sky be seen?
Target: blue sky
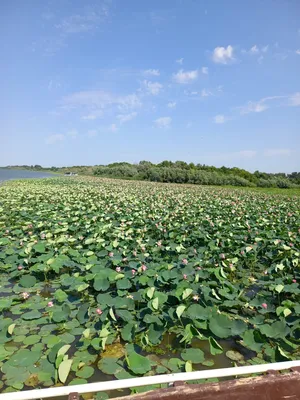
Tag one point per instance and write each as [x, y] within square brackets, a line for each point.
[92, 82]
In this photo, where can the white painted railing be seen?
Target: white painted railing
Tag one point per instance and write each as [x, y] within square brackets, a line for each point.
[148, 380]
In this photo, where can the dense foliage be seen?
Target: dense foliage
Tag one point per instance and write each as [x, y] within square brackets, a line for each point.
[97, 275]
[181, 172]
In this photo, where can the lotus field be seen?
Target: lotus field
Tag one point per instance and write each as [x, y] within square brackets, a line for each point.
[107, 279]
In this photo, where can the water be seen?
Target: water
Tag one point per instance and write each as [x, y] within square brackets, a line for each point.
[8, 174]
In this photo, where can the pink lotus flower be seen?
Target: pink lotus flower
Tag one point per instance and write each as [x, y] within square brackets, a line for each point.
[20, 267]
[196, 297]
[266, 272]
[124, 259]
[30, 233]
[25, 295]
[50, 304]
[264, 305]
[184, 261]
[143, 249]
[43, 236]
[134, 253]
[21, 243]
[294, 281]
[118, 269]
[133, 271]
[291, 244]
[195, 251]
[99, 311]
[144, 268]
[29, 226]
[111, 254]
[242, 252]
[184, 276]
[231, 266]
[222, 256]
[7, 231]
[158, 243]
[199, 268]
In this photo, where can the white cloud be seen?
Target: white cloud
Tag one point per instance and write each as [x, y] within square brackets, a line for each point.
[185, 76]
[294, 99]
[254, 107]
[153, 72]
[223, 55]
[91, 133]
[265, 48]
[113, 128]
[205, 93]
[277, 152]
[219, 119]
[171, 104]
[91, 117]
[254, 50]
[298, 52]
[73, 133]
[153, 87]
[180, 61]
[258, 106]
[163, 122]
[204, 70]
[93, 103]
[52, 139]
[126, 117]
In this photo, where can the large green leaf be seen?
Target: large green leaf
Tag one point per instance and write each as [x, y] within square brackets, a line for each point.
[220, 325]
[138, 364]
[64, 370]
[195, 355]
[27, 281]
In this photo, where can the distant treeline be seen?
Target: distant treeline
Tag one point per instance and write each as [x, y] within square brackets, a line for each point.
[181, 172]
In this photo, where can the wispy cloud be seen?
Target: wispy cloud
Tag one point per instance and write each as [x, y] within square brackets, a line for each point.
[206, 93]
[163, 122]
[180, 61]
[254, 50]
[94, 103]
[185, 76]
[268, 102]
[72, 133]
[294, 100]
[88, 20]
[152, 87]
[223, 55]
[52, 139]
[171, 104]
[126, 117]
[220, 119]
[298, 52]
[277, 152]
[153, 72]
[247, 153]
[204, 70]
